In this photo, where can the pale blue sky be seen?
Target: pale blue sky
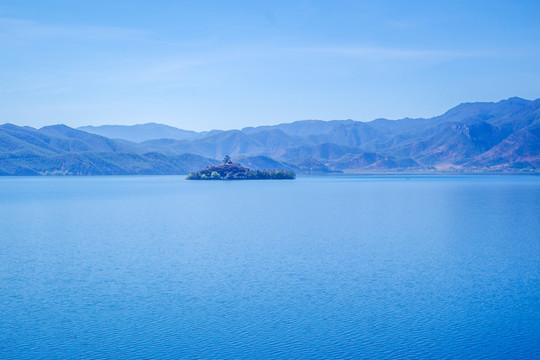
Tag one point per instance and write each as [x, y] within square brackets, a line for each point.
[229, 64]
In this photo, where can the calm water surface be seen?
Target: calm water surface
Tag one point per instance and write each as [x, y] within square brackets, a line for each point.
[320, 267]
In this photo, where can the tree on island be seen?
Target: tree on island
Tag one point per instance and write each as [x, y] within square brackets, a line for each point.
[227, 160]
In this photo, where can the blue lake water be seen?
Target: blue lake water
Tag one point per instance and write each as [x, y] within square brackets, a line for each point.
[319, 267]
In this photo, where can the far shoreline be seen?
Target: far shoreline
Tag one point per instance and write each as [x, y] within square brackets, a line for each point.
[344, 174]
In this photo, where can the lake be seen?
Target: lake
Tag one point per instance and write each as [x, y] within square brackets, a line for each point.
[318, 267]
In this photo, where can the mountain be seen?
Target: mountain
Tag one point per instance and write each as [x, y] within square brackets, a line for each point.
[264, 162]
[102, 164]
[143, 132]
[56, 139]
[501, 136]
[62, 150]
[520, 150]
[460, 139]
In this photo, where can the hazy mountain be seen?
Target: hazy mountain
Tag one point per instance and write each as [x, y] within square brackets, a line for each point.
[90, 163]
[519, 150]
[502, 136]
[56, 139]
[143, 132]
[326, 151]
[264, 162]
[60, 149]
[301, 128]
[232, 143]
[449, 141]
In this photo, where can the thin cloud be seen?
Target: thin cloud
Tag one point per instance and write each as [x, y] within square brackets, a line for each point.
[390, 53]
[402, 25]
[173, 68]
[17, 29]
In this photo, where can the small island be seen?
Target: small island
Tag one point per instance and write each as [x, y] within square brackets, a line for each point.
[234, 171]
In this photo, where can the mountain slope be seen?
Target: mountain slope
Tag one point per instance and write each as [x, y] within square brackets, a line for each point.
[502, 136]
[448, 141]
[60, 149]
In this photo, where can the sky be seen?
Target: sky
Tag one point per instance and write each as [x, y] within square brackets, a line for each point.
[204, 64]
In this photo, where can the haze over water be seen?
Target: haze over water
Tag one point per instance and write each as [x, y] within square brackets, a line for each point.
[318, 267]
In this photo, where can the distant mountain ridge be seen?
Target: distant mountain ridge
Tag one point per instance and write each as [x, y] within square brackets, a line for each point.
[502, 136]
[61, 150]
[142, 132]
